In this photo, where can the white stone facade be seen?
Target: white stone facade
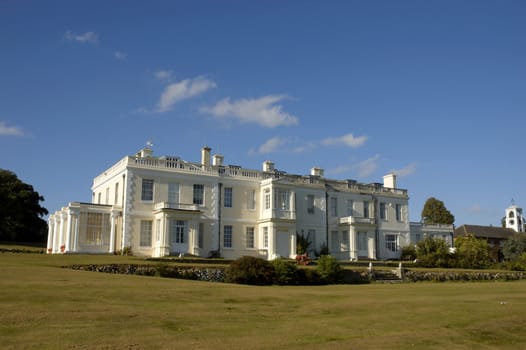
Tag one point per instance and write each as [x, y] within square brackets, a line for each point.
[159, 206]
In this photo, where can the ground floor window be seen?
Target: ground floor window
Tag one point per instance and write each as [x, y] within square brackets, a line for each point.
[345, 241]
[362, 241]
[249, 237]
[390, 243]
[146, 233]
[97, 228]
[227, 236]
[335, 242]
[265, 237]
[201, 235]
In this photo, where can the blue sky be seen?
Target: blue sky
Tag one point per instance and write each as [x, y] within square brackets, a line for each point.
[433, 90]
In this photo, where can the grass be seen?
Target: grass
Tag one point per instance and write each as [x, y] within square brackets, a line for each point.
[47, 307]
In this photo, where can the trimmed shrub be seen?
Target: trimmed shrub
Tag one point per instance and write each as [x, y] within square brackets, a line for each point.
[250, 270]
[285, 272]
[329, 269]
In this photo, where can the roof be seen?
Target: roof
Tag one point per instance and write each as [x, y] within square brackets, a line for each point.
[484, 231]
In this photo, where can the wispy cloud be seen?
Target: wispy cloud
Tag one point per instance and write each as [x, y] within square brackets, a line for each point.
[6, 130]
[264, 111]
[269, 146]
[163, 75]
[407, 170]
[362, 169]
[347, 140]
[183, 90]
[87, 37]
[120, 56]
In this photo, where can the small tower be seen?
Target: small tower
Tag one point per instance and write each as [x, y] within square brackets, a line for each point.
[514, 218]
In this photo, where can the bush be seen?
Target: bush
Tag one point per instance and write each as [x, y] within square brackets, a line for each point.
[472, 253]
[408, 253]
[434, 252]
[285, 272]
[250, 270]
[309, 277]
[329, 269]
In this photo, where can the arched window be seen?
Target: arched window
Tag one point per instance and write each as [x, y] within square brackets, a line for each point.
[511, 214]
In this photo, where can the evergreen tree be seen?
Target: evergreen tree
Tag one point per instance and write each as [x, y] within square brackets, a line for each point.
[20, 210]
[435, 212]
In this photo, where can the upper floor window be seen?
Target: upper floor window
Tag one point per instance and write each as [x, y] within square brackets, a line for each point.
[251, 199]
[365, 209]
[398, 209]
[173, 193]
[382, 211]
[199, 191]
[116, 200]
[227, 200]
[334, 206]
[267, 198]
[282, 200]
[350, 207]
[147, 190]
[310, 204]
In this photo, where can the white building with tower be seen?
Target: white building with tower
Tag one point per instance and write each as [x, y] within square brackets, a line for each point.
[514, 218]
[160, 206]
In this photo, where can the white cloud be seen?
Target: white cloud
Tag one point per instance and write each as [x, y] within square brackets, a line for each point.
[263, 111]
[407, 170]
[269, 146]
[121, 56]
[88, 37]
[163, 75]
[6, 130]
[183, 90]
[347, 140]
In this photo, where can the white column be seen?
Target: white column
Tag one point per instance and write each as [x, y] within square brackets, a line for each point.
[76, 220]
[114, 214]
[68, 231]
[50, 236]
[165, 236]
[56, 229]
[353, 243]
[272, 242]
[63, 218]
[293, 245]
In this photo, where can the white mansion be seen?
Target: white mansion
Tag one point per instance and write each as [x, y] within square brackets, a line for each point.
[159, 206]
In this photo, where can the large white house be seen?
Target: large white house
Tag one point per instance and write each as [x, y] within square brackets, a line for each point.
[159, 206]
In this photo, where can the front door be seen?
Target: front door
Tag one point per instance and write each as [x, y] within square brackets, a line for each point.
[178, 236]
[283, 244]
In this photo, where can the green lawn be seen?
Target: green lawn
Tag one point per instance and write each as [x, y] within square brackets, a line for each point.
[46, 307]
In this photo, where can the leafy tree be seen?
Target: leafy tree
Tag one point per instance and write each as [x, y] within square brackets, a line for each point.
[472, 253]
[20, 210]
[433, 252]
[514, 247]
[435, 212]
[303, 243]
